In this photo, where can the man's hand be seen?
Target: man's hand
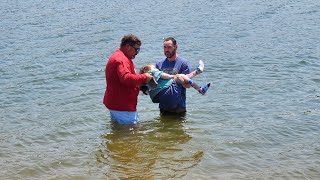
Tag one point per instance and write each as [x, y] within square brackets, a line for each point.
[149, 77]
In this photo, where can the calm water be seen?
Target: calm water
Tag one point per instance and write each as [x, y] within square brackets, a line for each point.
[260, 120]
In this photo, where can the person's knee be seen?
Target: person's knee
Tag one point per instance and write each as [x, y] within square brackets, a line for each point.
[182, 80]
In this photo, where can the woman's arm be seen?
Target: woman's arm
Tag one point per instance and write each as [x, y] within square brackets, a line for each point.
[166, 76]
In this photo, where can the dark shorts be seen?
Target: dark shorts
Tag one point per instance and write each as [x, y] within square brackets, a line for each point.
[171, 99]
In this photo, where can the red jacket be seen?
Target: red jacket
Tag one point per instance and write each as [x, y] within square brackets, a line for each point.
[123, 84]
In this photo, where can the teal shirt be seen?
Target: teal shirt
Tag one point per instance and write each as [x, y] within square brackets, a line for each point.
[162, 83]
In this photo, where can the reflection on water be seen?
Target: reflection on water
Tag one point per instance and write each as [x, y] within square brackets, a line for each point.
[156, 149]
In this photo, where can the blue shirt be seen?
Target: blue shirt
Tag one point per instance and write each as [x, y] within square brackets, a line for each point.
[179, 66]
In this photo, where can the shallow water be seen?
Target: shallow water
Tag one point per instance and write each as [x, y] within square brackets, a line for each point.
[259, 120]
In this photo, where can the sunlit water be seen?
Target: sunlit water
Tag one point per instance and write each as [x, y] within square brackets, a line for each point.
[259, 120]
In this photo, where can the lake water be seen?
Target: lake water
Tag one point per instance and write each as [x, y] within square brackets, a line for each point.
[259, 120]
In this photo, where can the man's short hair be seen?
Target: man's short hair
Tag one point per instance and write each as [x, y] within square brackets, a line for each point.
[174, 42]
[130, 39]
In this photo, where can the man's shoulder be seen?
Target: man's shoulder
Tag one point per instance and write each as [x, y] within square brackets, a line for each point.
[117, 52]
[184, 65]
[161, 61]
[118, 56]
[182, 60]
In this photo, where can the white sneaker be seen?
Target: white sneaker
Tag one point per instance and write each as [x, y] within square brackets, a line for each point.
[200, 67]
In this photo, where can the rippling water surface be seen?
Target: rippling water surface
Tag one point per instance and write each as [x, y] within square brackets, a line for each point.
[260, 119]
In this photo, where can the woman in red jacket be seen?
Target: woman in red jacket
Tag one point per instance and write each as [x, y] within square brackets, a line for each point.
[123, 84]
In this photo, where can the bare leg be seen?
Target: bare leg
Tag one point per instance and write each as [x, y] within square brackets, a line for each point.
[192, 74]
[186, 81]
[183, 80]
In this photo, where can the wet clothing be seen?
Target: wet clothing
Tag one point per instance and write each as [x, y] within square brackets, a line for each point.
[124, 117]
